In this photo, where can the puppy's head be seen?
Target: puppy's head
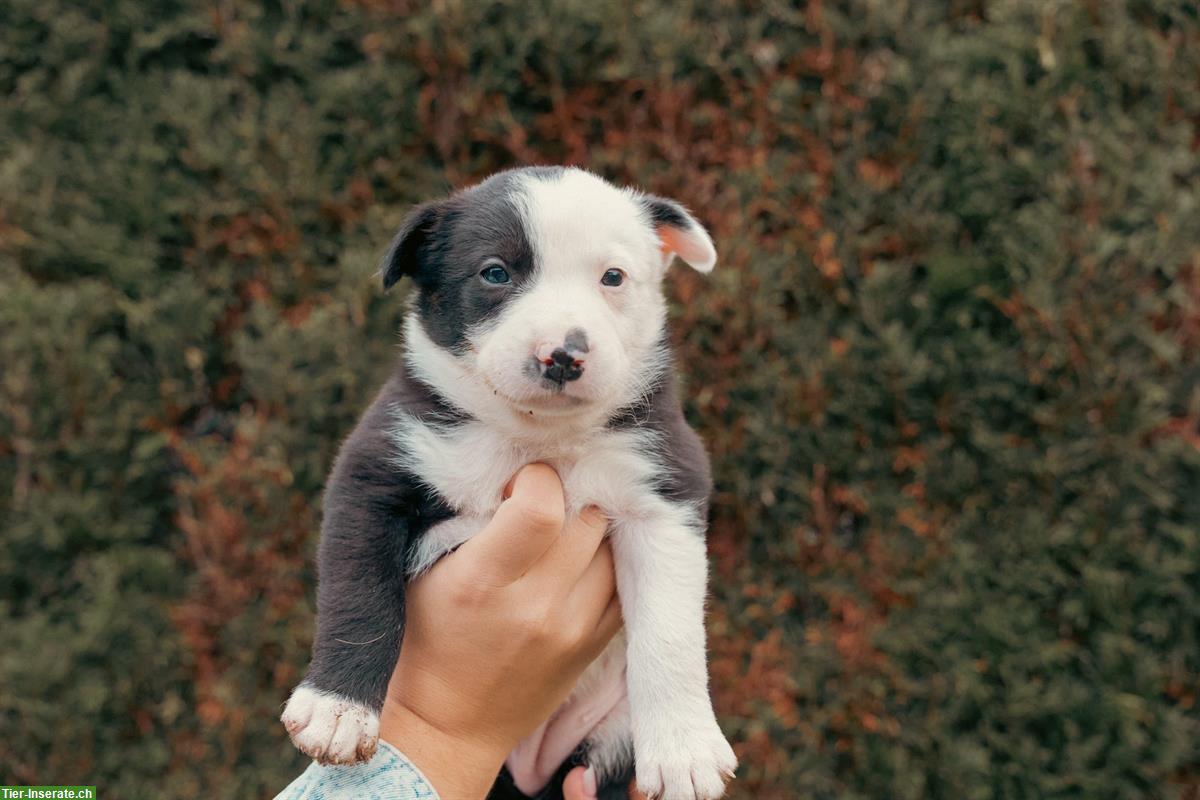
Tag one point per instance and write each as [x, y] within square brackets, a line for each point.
[542, 286]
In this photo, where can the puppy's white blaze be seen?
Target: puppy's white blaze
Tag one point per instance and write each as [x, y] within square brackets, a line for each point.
[577, 218]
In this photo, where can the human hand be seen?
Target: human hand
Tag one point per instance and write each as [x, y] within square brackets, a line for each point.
[579, 785]
[497, 633]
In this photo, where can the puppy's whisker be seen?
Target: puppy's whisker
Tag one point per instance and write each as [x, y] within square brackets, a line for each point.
[361, 644]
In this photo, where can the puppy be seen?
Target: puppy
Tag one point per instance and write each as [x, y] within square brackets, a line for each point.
[536, 333]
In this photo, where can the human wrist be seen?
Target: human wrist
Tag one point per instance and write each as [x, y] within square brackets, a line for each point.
[460, 766]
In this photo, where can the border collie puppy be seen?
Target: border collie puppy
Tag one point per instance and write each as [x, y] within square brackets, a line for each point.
[536, 333]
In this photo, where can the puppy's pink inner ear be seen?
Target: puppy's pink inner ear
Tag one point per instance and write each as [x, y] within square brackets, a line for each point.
[692, 245]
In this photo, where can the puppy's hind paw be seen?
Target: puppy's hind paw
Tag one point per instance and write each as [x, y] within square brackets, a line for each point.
[329, 728]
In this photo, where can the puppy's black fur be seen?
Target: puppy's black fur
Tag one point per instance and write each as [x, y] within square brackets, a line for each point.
[440, 246]
[373, 514]
[687, 477]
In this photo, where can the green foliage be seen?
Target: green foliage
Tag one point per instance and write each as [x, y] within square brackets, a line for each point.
[947, 368]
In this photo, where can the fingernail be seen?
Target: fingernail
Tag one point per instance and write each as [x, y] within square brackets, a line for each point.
[592, 516]
[589, 783]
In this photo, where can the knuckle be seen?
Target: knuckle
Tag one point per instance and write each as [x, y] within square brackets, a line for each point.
[537, 627]
[594, 519]
[540, 516]
[576, 638]
[468, 594]
[539, 472]
[605, 554]
[533, 628]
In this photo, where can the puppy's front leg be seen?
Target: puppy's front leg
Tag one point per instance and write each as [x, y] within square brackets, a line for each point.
[333, 715]
[661, 570]
[372, 512]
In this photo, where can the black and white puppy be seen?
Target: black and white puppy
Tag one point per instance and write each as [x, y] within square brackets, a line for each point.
[536, 333]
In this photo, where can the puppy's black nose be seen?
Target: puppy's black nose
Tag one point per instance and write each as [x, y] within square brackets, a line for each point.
[561, 362]
[563, 365]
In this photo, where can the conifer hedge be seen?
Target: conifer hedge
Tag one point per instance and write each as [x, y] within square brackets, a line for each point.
[947, 367]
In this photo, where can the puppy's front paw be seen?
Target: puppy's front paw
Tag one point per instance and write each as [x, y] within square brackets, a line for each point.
[330, 728]
[684, 762]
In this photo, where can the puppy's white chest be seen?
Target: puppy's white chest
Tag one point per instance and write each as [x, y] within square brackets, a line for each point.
[468, 464]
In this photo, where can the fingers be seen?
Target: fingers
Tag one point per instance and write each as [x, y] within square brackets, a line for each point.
[610, 621]
[567, 559]
[580, 784]
[525, 527]
[596, 587]
[603, 632]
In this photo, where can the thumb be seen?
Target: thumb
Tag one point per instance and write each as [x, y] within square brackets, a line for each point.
[580, 781]
[576, 785]
[524, 527]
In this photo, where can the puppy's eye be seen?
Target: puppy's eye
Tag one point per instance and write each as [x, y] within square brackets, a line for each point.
[494, 274]
[612, 277]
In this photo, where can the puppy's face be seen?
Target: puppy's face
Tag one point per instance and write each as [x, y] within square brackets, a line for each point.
[544, 284]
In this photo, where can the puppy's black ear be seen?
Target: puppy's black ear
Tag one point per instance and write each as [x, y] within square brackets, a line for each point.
[679, 234]
[404, 255]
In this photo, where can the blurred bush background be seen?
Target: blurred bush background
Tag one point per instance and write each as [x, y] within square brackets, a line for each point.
[947, 367]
